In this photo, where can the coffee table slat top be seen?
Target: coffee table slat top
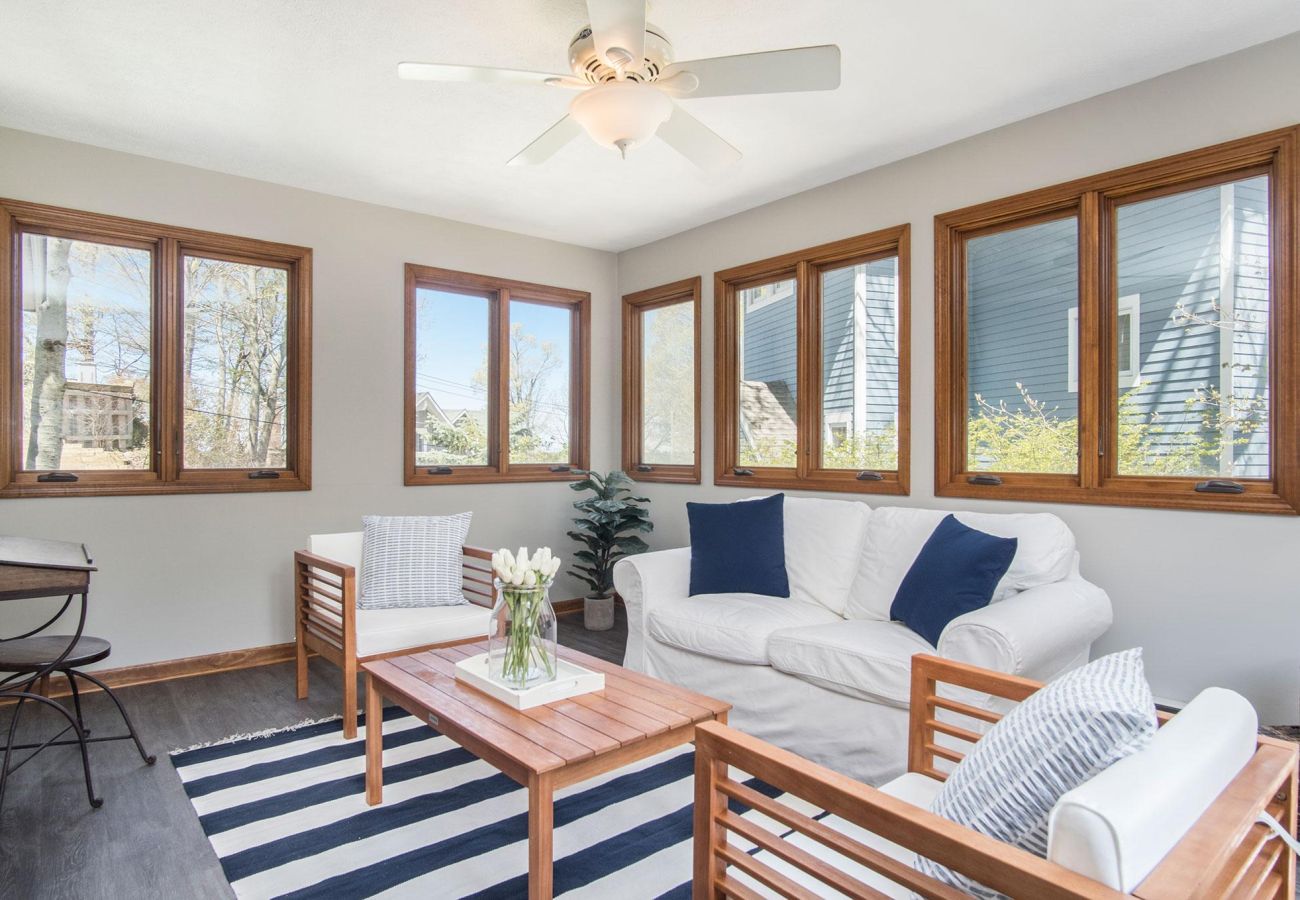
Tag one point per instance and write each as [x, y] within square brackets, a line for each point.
[632, 708]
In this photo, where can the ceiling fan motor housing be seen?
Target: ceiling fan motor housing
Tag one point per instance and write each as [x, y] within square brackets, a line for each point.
[587, 64]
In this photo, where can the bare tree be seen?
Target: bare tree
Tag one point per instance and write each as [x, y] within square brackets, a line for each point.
[50, 273]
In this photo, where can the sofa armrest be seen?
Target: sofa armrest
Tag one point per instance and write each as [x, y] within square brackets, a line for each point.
[1037, 633]
[643, 580]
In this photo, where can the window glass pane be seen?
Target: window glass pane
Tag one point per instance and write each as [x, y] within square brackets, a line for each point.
[1022, 290]
[539, 372]
[668, 385]
[86, 339]
[860, 366]
[451, 378]
[1197, 263]
[768, 367]
[235, 365]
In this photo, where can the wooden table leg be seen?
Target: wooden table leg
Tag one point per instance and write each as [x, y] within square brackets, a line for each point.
[374, 743]
[541, 812]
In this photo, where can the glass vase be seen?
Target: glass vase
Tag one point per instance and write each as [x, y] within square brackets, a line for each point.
[521, 636]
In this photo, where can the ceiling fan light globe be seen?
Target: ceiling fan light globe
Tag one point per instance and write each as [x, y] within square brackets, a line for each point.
[621, 115]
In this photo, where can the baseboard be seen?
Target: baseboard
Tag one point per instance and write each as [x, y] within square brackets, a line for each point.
[569, 607]
[190, 666]
[211, 663]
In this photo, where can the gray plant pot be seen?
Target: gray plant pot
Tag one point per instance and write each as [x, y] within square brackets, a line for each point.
[598, 613]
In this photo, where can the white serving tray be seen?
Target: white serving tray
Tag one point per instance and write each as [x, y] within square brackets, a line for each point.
[570, 680]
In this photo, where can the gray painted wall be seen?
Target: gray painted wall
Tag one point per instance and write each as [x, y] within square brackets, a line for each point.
[188, 575]
[1214, 598]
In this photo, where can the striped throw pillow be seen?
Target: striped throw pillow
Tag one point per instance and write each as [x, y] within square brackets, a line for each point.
[410, 561]
[1063, 735]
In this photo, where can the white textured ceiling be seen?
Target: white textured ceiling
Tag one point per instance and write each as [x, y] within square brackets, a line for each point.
[303, 92]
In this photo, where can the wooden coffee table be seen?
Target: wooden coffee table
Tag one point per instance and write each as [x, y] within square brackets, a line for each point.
[543, 748]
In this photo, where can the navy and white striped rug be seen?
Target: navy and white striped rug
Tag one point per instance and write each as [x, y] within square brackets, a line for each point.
[287, 817]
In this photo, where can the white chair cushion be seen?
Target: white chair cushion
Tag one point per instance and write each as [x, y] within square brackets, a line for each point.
[861, 658]
[343, 547]
[919, 790]
[823, 544]
[734, 627]
[390, 630]
[1064, 734]
[1117, 827]
[895, 535]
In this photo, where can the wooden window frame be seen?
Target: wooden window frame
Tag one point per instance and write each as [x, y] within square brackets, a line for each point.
[635, 306]
[1095, 200]
[500, 292]
[168, 245]
[805, 267]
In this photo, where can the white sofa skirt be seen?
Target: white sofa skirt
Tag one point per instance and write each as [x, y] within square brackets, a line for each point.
[866, 741]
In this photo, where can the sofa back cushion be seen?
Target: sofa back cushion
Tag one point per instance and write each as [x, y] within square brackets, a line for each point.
[823, 545]
[896, 534]
[1118, 826]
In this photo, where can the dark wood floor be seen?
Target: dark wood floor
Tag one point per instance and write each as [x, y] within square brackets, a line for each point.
[145, 841]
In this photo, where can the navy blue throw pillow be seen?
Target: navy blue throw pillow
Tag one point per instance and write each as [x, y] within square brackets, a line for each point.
[739, 548]
[955, 573]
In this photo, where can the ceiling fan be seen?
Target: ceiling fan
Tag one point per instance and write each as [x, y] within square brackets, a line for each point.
[627, 81]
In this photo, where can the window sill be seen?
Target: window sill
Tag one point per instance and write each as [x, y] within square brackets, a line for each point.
[1261, 500]
[665, 475]
[487, 476]
[207, 484]
[836, 482]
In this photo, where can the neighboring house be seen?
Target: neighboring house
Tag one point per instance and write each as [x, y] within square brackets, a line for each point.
[426, 406]
[859, 355]
[1203, 253]
[98, 416]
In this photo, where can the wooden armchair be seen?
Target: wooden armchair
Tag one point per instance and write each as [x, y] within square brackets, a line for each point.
[865, 846]
[330, 624]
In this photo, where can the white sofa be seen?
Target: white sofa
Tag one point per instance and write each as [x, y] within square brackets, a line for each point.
[824, 672]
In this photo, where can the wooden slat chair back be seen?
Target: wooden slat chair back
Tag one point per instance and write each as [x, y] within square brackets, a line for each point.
[325, 610]
[1227, 853]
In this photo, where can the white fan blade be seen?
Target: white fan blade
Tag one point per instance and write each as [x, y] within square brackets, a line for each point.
[696, 141]
[773, 72]
[551, 141]
[416, 71]
[618, 29]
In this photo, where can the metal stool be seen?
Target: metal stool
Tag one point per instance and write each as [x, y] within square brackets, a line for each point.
[36, 658]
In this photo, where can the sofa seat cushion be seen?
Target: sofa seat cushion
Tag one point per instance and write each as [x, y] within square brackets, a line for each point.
[861, 658]
[389, 630]
[914, 788]
[734, 627]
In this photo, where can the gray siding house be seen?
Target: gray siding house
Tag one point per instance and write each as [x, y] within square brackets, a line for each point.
[1193, 308]
[859, 355]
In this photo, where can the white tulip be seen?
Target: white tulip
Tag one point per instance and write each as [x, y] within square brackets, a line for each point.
[507, 560]
[530, 578]
[522, 556]
[553, 568]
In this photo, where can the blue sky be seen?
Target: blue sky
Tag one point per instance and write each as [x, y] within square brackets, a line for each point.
[451, 343]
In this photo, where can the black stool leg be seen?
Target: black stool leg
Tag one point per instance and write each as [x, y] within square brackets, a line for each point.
[76, 700]
[9, 744]
[148, 758]
[95, 802]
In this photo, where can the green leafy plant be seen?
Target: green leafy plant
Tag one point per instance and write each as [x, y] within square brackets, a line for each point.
[611, 520]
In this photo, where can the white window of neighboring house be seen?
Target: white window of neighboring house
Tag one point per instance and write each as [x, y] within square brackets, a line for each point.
[766, 294]
[1128, 334]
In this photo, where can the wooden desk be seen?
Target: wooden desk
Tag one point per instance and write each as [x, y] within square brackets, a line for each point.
[36, 568]
[544, 748]
[31, 568]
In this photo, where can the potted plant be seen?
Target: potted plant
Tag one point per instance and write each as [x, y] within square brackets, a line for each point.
[611, 520]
